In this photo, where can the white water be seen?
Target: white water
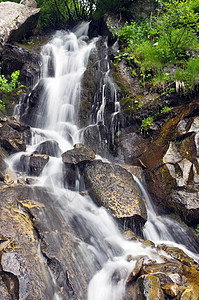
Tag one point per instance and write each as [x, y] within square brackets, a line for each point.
[103, 250]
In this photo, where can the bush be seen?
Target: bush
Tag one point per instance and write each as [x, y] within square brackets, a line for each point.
[166, 39]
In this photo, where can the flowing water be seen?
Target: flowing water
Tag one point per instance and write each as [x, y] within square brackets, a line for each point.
[102, 250]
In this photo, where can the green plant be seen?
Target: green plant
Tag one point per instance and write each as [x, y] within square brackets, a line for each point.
[146, 123]
[196, 229]
[6, 86]
[187, 77]
[166, 109]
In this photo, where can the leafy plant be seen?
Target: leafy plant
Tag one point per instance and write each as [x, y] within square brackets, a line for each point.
[166, 109]
[146, 123]
[6, 86]
[197, 229]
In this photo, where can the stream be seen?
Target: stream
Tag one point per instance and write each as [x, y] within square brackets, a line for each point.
[102, 249]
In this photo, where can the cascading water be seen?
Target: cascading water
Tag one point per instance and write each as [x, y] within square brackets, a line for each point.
[100, 249]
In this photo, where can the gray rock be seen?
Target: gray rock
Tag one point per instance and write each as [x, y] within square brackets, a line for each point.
[80, 154]
[17, 58]
[49, 148]
[16, 20]
[113, 187]
[29, 3]
[33, 164]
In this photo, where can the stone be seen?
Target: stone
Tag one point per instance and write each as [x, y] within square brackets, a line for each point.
[135, 271]
[113, 187]
[17, 58]
[16, 21]
[170, 289]
[133, 146]
[10, 139]
[80, 154]
[185, 201]
[33, 164]
[149, 287]
[50, 148]
[10, 177]
[148, 243]
[29, 3]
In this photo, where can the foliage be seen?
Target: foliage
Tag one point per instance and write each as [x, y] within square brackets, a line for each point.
[166, 109]
[6, 86]
[187, 77]
[146, 123]
[165, 39]
[197, 229]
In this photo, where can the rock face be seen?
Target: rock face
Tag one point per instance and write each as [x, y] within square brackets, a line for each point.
[12, 136]
[80, 154]
[17, 58]
[16, 21]
[170, 162]
[114, 188]
[34, 238]
[49, 148]
[33, 164]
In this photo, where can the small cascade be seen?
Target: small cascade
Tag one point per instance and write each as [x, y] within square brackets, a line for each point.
[106, 107]
[164, 229]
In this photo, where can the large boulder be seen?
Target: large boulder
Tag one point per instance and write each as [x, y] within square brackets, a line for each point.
[113, 187]
[17, 58]
[16, 21]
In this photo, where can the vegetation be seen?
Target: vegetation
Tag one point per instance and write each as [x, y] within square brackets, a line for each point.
[164, 48]
[6, 88]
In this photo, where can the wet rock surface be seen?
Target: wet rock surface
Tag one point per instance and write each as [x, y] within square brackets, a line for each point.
[50, 148]
[17, 58]
[12, 136]
[79, 154]
[114, 188]
[33, 164]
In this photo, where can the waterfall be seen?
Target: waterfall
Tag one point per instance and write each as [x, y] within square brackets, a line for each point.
[101, 251]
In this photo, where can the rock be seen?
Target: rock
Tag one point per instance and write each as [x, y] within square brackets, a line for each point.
[21, 180]
[10, 177]
[80, 154]
[11, 139]
[149, 287]
[179, 255]
[130, 235]
[22, 269]
[134, 170]
[50, 148]
[148, 243]
[136, 270]
[17, 58]
[170, 289]
[3, 164]
[187, 295]
[33, 164]
[133, 146]
[113, 187]
[16, 21]
[29, 3]
[185, 201]
[30, 113]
